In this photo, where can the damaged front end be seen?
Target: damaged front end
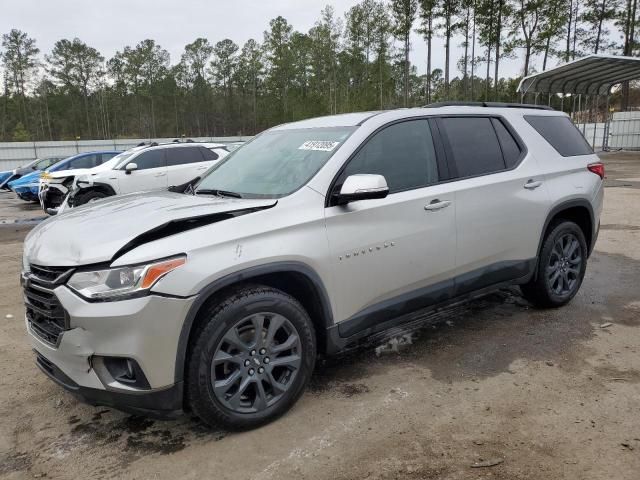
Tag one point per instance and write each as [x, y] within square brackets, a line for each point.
[53, 195]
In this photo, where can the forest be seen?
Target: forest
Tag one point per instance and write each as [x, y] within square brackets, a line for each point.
[359, 61]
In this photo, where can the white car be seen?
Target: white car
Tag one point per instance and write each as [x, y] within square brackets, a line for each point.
[143, 168]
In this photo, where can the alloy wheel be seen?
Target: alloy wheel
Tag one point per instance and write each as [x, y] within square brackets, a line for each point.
[565, 264]
[256, 362]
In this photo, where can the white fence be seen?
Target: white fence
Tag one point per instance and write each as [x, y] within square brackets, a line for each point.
[13, 154]
[620, 132]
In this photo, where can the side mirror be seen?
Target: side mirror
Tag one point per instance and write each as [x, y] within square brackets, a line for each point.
[362, 187]
[130, 168]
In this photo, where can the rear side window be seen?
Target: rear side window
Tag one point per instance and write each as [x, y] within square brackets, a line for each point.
[403, 153]
[474, 145]
[183, 156]
[208, 154]
[510, 149]
[561, 134]
[150, 159]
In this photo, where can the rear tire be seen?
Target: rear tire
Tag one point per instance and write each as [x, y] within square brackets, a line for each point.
[88, 197]
[561, 266]
[251, 358]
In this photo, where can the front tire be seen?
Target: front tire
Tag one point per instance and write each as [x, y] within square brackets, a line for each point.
[251, 358]
[89, 197]
[561, 266]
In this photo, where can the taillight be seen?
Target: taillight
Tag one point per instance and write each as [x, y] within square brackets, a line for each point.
[597, 168]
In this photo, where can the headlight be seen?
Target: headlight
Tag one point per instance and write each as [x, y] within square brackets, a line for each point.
[113, 283]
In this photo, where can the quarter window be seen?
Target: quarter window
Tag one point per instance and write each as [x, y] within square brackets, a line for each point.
[208, 155]
[561, 134]
[150, 159]
[403, 153]
[474, 145]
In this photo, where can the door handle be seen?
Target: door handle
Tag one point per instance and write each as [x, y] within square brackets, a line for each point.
[202, 168]
[531, 185]
[437, 205]
[160, 174]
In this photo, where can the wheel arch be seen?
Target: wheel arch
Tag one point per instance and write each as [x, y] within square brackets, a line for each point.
[100, 187]
[578, 211]
[295, 278]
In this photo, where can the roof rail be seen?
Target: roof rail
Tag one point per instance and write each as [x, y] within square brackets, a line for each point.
[487, 104]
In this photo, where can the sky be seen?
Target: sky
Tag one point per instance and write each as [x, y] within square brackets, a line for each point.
[109, 25]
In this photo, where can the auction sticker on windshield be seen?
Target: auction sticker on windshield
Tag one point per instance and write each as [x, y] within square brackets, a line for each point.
[319, 145]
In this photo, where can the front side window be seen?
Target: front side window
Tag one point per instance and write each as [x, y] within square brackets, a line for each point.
[275, 163]
[403, 153]
[474, 145]
[150, 159]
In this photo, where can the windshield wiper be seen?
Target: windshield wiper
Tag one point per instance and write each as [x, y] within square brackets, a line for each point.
[218, 193]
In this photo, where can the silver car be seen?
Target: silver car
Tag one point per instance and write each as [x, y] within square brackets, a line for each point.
[303, 242]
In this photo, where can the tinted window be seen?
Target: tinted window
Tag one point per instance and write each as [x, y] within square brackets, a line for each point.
[561, 134]
[208, 154]
[183, 155]
[150, 159]
[403, 153]
[108, 156]
[474, 145]
[510, 149]
[88, 161]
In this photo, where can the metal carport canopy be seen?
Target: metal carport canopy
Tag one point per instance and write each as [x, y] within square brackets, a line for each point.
[590, 75]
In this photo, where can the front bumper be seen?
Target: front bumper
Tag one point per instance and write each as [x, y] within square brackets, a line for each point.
[52, 196]
[144, 329]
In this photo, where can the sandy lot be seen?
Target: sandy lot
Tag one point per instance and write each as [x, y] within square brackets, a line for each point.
[541, 394]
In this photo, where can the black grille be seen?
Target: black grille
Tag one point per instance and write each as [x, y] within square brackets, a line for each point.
[50, 275]
[45, 314]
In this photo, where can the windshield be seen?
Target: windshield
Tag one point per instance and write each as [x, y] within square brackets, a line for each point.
[275, 163]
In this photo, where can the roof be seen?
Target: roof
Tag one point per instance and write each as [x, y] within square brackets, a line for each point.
[591, 75]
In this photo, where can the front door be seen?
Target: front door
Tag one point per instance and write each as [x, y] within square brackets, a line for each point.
[393, 255]
[151, 173]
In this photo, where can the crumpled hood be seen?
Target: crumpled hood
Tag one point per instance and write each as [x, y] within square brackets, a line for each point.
[96, 232]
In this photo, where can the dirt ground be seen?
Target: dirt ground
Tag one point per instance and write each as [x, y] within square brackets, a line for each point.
[541, 394]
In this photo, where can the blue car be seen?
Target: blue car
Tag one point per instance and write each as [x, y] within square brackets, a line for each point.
[26, 187]
[34, 165]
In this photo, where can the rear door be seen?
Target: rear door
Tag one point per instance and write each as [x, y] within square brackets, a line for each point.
[501, 200]
[396, 254]
[186, 163]
[151, 173]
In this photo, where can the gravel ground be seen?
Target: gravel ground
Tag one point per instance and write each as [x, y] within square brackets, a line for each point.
[515, 392]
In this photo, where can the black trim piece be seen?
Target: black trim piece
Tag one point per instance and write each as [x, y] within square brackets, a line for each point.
[409, 307]
[164, 403]
[492, 274]
[488, 104]
[244, 275]
[370, 317]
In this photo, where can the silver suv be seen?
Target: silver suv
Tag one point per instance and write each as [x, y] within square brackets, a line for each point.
[305, 241]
